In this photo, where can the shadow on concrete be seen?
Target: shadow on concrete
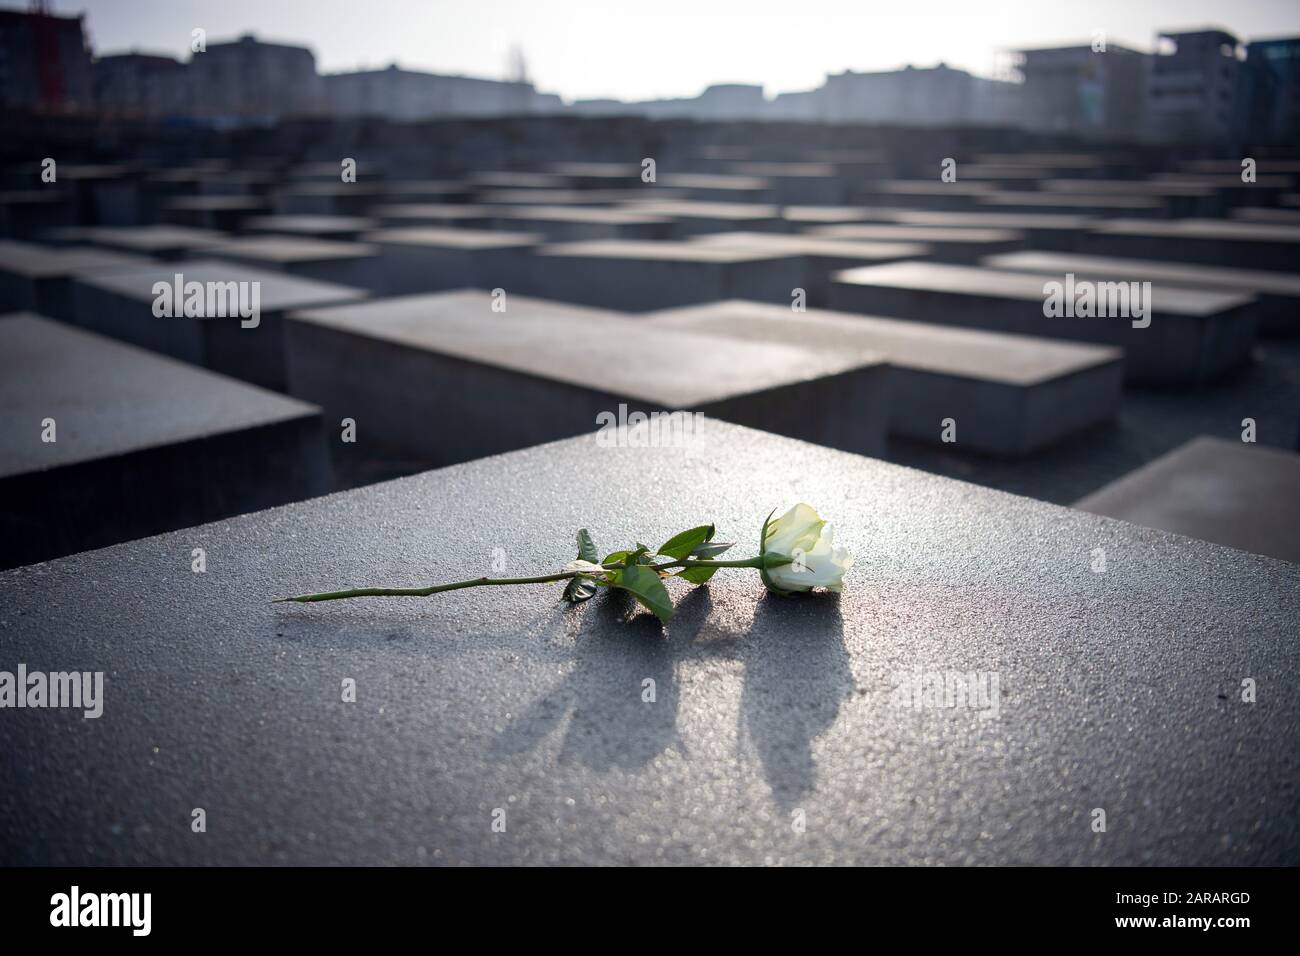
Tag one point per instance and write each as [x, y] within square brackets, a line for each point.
[796, 671]
[610, 724]
[797, 675]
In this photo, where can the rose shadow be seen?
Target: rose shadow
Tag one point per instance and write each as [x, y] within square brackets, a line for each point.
[796, 676]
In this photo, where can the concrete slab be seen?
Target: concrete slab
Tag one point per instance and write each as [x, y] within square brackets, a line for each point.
[822, 257]
[431, 259]
[425, 190]
[36, 278]
[1267, 166]
[585, 175]
[640, 276]
[799, 183]
[1262, 191]
[1055, 231]
[235, 182]
[1278, 293]
[1194, 335]
[353, 264]
[460, 380]
[1289, 217]
[120, 304]
[1116, 690]
[433, 214]
[580, 223]
[694, 217]
[509, 179]
[161, 242]
[1178, 199]
[105, 194]
[717, 187]
[328, 198]
[799, 216]
[552, 197]
[341, 228]
[1232, 493]
[225, 213]
[1217, 242]
[26, 213]
[1010, 395]
[1081, 203]
[921, 193]
[142, 444]
[946, 244]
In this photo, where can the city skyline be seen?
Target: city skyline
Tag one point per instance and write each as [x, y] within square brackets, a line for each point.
[573, 55]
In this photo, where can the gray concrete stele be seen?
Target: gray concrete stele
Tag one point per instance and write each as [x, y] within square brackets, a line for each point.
[1006, 395]
[779, 731]
[103, 442]
[633, 276]
[450, 378]
[121, 304]
[1191, 336]
[1234, 493]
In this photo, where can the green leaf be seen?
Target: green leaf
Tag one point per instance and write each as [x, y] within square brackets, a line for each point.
[586, 547]
[711, 549]
[615, 556]
[697, 575]
[680, 545]
[648, 589]
[579, 590]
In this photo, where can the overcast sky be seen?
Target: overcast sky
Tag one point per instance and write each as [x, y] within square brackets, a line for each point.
[638, 49]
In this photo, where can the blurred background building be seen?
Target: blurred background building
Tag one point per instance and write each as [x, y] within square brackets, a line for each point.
[1200, 86]
[44, 63]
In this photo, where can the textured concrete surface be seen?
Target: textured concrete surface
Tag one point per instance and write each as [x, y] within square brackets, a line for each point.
[354, 264]
[26, 213]
[946, 244]
[1008, 394]
[1041, 230]
[433, 214]
[120, 304]
[1119, 691]
[166, 242]
[214, 212]
[693, 217]
[429, 259]
[343, 228]
[822, 257]
[632, 276]
[580, 223]
[1278, 293]
[1193, 336]
[142, 444]
[1085, 202]
[459, 380]
[1215, 242]
[38, 278]
[1232, 493]
[1151, 422]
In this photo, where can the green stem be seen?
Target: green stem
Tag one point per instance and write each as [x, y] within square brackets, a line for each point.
[771, 561]
[423, 592]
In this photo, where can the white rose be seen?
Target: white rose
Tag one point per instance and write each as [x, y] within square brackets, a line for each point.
[801, 535]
